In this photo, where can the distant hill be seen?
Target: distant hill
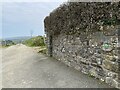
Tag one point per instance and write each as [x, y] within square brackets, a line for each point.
[18, 39]
[22, 37]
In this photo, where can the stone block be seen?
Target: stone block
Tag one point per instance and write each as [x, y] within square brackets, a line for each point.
[85, 69]
[111, 74]
[112, 82]
[111, 58]
[93, 72]
[110, 65]
[63, 50]
[99, 61]
[100, 72]
[77, 67]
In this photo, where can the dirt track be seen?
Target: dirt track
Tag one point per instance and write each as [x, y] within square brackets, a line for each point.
[23, 67]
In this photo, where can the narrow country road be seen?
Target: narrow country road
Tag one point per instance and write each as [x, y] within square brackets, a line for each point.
[23, 67]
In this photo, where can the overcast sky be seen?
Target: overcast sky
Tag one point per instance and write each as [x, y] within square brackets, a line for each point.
[19, 18]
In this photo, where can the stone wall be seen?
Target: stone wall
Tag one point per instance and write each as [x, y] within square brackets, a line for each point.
[88, 46]
[89, 56]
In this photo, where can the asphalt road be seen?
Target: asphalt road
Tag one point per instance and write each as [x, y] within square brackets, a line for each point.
[23, 67]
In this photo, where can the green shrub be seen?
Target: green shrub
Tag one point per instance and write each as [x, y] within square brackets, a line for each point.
[7, 43]
[35, 41]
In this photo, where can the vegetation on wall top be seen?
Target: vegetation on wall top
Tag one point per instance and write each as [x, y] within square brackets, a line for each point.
[84, 16]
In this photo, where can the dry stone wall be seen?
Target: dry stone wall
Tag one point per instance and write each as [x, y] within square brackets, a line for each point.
[85, 36]
[89, 56]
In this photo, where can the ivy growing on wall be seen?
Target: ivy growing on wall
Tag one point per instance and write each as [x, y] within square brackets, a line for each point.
[111, 21]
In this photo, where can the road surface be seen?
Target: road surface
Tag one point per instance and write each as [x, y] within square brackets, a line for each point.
[23, 67]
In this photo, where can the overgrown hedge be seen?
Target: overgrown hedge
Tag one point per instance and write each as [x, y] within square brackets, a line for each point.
[85, 16]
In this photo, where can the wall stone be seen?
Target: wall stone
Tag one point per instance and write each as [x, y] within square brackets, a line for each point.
[86, 46]
[88, 58]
